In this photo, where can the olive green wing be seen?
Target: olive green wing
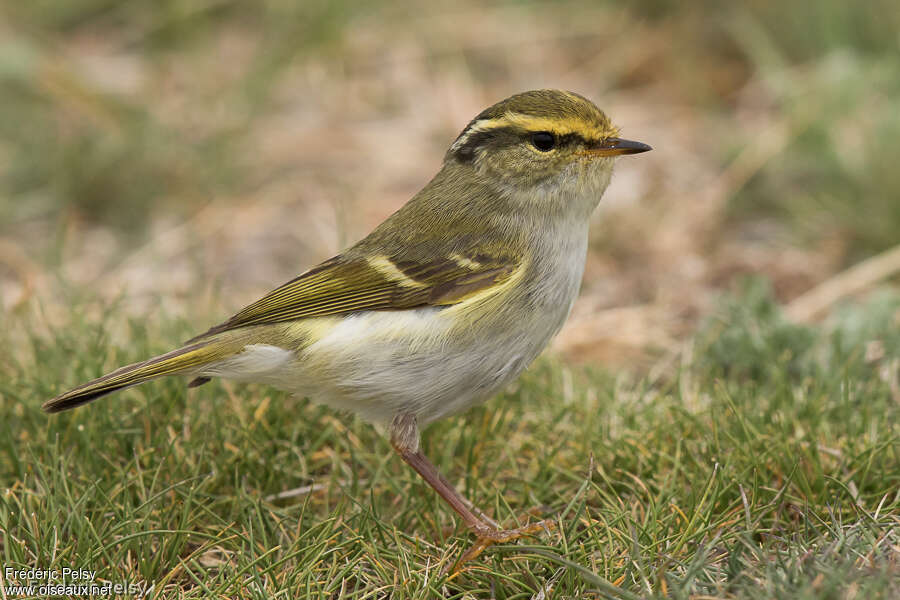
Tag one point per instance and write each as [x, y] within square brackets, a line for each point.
[349, 284]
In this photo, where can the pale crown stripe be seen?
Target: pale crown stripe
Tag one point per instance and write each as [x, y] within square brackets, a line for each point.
[560, 126]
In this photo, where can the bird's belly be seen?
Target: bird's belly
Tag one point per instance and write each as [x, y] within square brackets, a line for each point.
[378, 364]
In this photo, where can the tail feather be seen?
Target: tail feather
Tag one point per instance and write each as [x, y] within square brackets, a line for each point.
[181, 361]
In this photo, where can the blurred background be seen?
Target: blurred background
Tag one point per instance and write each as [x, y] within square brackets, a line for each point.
[183, 157]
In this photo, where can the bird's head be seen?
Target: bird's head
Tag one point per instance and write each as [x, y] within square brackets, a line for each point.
[546, 144]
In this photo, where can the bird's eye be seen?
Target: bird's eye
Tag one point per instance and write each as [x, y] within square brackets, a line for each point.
[543, 141]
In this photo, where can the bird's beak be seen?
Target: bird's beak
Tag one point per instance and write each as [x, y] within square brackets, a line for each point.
[618, 146]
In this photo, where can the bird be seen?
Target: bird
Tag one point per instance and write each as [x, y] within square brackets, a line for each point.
[442, 304]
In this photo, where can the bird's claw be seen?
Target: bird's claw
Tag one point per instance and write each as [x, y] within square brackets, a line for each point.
[488, 536]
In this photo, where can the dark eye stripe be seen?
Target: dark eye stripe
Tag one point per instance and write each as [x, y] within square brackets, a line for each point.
[466, 152]
[561, 140]
[570, 138]
[473, 141]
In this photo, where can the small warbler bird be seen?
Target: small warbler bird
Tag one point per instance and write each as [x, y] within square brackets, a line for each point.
[443, 303]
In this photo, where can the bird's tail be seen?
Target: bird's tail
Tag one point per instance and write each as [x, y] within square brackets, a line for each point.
[183, 361]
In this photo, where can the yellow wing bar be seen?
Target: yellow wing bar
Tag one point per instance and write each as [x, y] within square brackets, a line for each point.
[343, 285]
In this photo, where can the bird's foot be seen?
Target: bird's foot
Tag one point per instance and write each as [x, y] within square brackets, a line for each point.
[488, 536]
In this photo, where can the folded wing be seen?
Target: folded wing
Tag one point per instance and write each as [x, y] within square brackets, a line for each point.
[349, 284]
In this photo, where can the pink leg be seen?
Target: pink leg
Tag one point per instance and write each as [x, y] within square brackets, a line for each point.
[405, 440]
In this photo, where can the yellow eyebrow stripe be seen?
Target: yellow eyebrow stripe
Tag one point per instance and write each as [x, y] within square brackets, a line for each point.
[559, 126]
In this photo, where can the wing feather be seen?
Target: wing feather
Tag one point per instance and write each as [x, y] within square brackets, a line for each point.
[346, 284]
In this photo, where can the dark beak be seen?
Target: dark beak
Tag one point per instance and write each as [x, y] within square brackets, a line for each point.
[618, 146]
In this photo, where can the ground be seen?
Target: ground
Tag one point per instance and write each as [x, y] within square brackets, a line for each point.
[718, 419]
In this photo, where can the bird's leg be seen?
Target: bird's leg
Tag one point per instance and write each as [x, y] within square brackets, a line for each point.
[405, 440]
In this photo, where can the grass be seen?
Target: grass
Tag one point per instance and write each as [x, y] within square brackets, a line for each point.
[769, 463]
[146, 148]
